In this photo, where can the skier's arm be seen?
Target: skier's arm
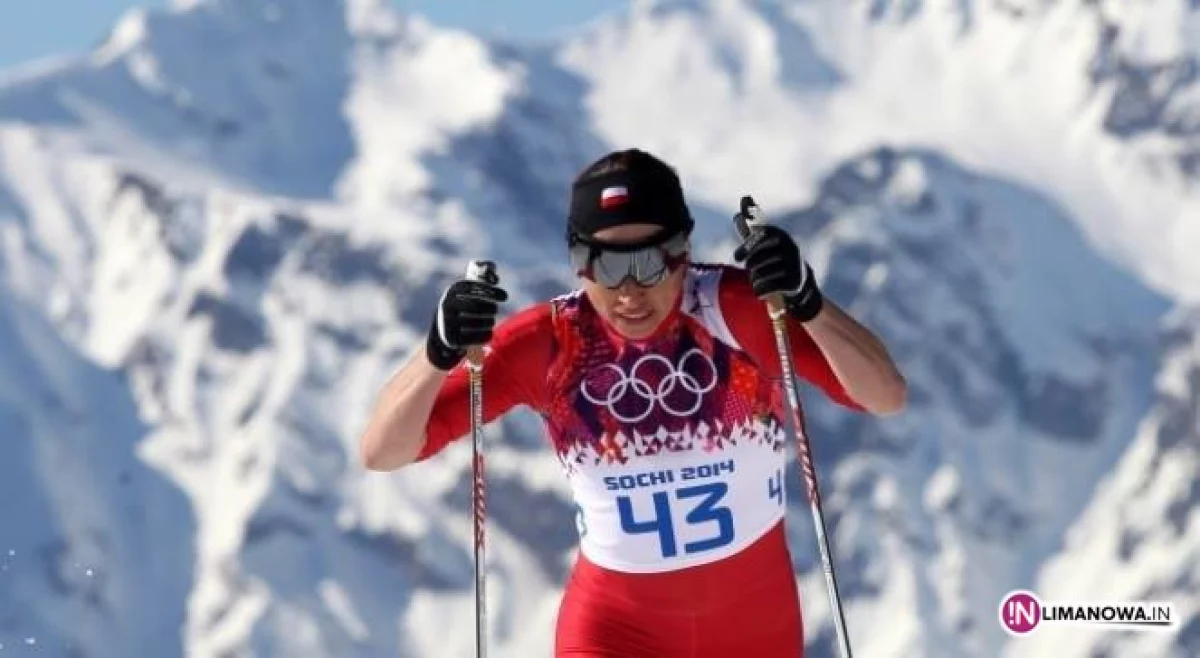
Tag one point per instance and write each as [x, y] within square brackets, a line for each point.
[465, 315]
[749, 322]
[422, 409]
[514, 370]
[857, 358]
[395, 432]
[837, 347]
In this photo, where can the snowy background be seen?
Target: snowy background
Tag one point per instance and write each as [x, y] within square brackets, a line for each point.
[225, 226]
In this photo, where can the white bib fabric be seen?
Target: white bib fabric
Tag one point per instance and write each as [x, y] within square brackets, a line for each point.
[679, 509]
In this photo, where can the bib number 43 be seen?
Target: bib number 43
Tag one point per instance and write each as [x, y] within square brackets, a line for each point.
[703, 510]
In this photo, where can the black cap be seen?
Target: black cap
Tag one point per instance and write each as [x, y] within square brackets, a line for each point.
[627, 187]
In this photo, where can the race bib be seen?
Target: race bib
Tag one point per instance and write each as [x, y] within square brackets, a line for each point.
[673, 510]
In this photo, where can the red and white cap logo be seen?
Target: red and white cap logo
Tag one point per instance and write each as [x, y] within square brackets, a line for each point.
[612, 197]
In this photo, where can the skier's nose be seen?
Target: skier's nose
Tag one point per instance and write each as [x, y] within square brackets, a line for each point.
[629, 291]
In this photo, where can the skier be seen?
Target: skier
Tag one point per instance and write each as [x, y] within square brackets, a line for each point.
[658, 382]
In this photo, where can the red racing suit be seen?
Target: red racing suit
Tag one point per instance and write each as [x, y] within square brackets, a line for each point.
[674, 450]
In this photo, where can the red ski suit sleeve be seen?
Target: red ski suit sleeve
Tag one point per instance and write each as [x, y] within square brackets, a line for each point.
[748, 320]
[514, 368]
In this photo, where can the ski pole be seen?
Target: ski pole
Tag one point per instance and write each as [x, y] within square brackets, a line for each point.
[483, 271]
[747, 222]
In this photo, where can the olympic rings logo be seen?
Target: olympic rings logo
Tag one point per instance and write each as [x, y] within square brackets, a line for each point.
[634, 384]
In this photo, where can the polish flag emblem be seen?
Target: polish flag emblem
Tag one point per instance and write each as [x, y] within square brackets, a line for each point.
[612, 197]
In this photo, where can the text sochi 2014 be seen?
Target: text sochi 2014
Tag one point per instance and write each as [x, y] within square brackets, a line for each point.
[659, 477]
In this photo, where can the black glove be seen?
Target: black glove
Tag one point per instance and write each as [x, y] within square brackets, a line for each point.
[776, 266]
[465, 316]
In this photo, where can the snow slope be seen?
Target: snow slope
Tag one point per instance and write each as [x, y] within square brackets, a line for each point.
[97, 556]
[1140, 531]
[253, 240]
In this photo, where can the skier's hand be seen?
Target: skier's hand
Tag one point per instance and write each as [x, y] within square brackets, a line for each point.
[465, 317]
[776, 266]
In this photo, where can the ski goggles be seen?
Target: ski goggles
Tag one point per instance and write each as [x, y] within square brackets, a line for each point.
[646, 263]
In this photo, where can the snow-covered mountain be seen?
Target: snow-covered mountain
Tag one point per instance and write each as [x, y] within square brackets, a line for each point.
[222, 229]
[1138, 537]
[97, 556]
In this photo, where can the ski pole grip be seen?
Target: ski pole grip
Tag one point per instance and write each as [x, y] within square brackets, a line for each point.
[483, 271]
[750, 218]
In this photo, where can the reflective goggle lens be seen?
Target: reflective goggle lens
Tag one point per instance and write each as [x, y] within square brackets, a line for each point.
[646, 266]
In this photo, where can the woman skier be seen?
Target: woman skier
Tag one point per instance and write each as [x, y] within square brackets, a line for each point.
[658, 382]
